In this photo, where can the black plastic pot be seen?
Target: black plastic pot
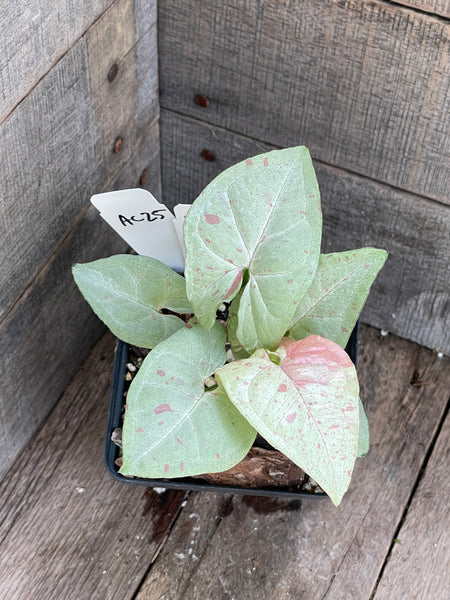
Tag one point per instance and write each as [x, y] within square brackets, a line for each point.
[111, 450]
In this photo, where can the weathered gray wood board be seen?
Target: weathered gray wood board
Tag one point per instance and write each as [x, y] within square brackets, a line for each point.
[51, 328]
[67, 530]
[35, 34]
[437, 7]
[262, 548]
[422, 554]
[74, 533]
[57, 146]
[364, 84]
[411, 295]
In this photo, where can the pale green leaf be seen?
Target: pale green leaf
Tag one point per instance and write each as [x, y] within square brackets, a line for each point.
[363, 440]
[306, 407]
[127, 293]
[172, 426]
[334, 300]
[258, 224]
[232, 325]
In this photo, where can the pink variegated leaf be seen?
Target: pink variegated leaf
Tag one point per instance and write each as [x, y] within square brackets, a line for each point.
[306, 406]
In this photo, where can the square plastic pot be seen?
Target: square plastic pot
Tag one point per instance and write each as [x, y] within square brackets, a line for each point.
[112, 451]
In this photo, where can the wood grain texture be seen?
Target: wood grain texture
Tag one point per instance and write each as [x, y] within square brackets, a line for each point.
[51, 329]
[419, 566]
[57, 146]
[436, 7]
[67, 529]
[365, 84]
[35, 34]
[260, 468]
[264, 548]
[411, 295]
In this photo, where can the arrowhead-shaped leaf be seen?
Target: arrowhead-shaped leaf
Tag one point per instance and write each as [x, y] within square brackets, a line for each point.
[363, 440]
[340, 287]
[172, 426]
[127, 292]
[258, 224]
[306, 407]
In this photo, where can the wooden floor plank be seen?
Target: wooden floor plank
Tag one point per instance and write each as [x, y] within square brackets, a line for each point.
[419, 566]
[67, 529]
[261, 548]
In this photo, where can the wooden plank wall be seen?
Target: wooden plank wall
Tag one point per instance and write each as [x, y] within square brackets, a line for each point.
[365, 84]
[436, 7]
[62, 111]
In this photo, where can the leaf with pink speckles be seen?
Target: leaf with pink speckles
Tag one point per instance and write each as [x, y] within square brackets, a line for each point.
[127, 293]
[306, 406]
[334, 300]
[173, 426]
[257, 226]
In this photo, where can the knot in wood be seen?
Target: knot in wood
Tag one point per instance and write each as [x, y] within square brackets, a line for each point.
[117, 144]
[143, 178]
[208, 155]
[112, 74]
[201, 100]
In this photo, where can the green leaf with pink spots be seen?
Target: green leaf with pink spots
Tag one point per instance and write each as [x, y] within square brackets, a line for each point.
[256, 226]
[128, 292]
[306, 406]
[334, 300]
[173, 426]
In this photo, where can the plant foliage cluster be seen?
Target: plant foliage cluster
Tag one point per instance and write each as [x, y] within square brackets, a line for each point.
[252, 241]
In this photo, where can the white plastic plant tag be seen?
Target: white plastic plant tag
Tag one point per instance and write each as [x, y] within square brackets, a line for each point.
[180, 211]
[143, 222]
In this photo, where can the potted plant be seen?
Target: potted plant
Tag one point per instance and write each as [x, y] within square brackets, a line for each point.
[252, 241]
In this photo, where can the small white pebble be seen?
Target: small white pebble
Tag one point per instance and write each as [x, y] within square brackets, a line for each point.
[440, 355]
[183, 504]
[131, 367]
[192, 515]
[80, 490]
[190, 551]
[196, 529]
[209, 381]
[103, 572]
[384, 333]
[394, 315]
[159, 490]
[180, 555]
